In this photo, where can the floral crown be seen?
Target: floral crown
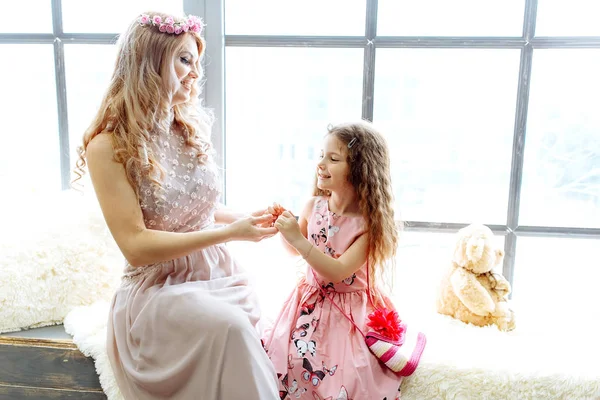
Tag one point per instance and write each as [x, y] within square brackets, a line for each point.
[169, 25]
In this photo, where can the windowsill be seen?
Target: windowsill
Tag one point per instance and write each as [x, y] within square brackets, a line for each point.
[55, 332]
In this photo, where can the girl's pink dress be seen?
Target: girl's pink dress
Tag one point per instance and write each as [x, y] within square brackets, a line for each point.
[318, 354]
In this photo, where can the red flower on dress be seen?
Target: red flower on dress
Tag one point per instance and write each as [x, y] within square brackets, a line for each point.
[386, 323]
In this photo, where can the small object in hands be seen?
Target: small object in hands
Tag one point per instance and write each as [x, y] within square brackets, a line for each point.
[278, 210]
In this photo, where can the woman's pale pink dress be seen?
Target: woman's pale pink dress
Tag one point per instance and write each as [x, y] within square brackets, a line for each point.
[317, 352]
[186, 328]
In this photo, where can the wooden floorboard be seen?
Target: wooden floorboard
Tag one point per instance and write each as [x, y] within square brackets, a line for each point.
[34, 367]
[19, 393]
[37, 342]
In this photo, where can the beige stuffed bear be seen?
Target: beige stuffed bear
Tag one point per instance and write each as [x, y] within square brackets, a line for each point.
[470, 291]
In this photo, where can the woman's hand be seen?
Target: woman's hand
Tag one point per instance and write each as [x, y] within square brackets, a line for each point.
[252, 229]
[288, 226]
[275, 210]
[260, 213]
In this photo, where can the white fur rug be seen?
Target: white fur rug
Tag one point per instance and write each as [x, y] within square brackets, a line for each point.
[55, 255]
[87, 325]
[459, 362]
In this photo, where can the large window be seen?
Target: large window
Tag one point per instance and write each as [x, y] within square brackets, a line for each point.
[490, 109]
[56, 64]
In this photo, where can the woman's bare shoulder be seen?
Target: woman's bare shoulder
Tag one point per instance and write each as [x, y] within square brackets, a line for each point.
[100, 147]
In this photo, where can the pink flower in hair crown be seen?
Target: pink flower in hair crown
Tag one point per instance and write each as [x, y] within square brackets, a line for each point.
[171, 25]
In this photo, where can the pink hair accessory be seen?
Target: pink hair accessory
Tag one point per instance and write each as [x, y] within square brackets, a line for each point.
[170, 25]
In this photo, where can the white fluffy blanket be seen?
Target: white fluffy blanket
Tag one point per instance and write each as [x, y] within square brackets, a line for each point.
[55, 256]
[460, 361]
[87, 325]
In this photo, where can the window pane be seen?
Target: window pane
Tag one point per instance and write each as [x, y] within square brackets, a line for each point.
[561, 176]
[30, 152]
[309, 17]
[562, 274]
[31, 16]
[88, 70]
[279, 103]
[450, 18]
[76, 14]
[567, 18]
[449, 119]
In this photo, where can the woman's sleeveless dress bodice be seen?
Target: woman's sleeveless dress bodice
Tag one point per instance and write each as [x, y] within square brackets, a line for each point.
[182, 328]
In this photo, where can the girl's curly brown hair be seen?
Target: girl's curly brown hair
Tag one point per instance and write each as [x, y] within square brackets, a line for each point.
[369, 163]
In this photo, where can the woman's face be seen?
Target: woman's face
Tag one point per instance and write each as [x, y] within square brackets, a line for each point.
[187, 71]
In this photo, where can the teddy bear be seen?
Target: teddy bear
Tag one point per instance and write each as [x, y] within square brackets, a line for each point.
[470, 290]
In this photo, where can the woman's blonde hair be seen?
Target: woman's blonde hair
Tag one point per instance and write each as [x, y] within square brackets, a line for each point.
[369, 163]
[137, 104]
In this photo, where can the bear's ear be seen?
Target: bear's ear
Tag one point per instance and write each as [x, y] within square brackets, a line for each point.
[475, 248]
[460, 252]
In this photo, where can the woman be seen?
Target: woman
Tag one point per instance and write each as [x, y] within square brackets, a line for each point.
[183, 323]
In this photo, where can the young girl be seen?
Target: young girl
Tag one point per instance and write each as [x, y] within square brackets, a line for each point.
[316, 350]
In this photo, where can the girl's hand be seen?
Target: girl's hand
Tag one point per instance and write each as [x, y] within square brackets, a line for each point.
[288, 226]
[252, 228]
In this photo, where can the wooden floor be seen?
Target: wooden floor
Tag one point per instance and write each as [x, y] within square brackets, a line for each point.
[45, 368]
